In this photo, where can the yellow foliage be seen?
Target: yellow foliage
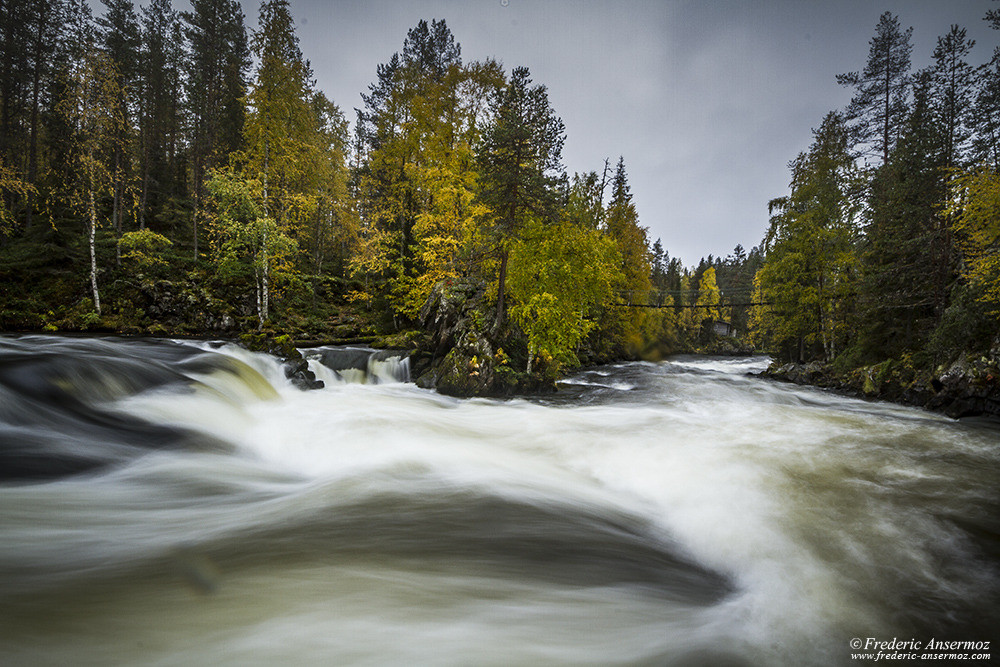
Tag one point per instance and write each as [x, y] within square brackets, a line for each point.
[558, 274]
[9, 182]
[143, 247]
[976, 209]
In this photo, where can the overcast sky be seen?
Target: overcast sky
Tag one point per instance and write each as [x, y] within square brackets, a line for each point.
[707, 100]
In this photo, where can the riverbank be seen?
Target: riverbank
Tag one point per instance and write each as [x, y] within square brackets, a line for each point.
[968, 386]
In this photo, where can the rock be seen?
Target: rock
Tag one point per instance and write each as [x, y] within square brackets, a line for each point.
[297, 370]
[295, 367]
[966, 387]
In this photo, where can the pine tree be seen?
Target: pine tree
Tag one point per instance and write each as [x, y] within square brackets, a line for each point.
[14, 77]
[215, 79]
[985, 119]
[519, 160]
[879, 105]
[160, 121]
[623, 226]
[44, 22]
[954, 81]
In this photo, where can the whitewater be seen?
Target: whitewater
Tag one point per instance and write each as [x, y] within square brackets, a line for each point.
[177, 503]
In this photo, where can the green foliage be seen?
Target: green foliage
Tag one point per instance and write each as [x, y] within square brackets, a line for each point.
[10, 182]
[808, 279]
[879, 107]
[559, 273]
[519, 159]
[144, 249]
[906, 262]
[247, 244]
[418, 181]
[967, 324]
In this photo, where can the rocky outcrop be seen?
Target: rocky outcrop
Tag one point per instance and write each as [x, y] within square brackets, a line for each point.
[968, 386]
[294, 365]
[180, 305]
[460, 356]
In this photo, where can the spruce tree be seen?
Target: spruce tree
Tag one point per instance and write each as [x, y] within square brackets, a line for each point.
[903, 275]
[119, 34]
[807, 284]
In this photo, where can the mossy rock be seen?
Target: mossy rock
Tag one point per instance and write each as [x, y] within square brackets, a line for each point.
[280, 345]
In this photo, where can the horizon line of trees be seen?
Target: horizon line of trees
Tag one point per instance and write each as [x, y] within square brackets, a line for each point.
[888, 244]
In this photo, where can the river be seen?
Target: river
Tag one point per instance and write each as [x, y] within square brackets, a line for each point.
[174, 503]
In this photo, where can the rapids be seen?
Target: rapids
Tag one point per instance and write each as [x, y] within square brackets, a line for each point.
[176, 503]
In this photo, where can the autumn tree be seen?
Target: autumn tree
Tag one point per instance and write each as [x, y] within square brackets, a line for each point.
[10, 182]
[709, 296]
[334, 223]
[91, 108]
[279, 133]
[417, 181]
[976, 204]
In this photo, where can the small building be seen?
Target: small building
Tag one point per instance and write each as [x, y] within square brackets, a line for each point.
[723, 328]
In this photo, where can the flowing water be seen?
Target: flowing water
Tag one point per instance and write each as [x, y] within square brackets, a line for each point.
[168, 503]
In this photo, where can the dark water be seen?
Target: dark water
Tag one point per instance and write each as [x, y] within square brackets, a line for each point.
[169, 503]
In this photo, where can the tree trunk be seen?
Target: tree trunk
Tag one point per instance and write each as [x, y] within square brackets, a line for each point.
[260, 302]
[265, 280]
[502, 280]
[116, 217]
[194, 226]
[93, 254]
[36, 84]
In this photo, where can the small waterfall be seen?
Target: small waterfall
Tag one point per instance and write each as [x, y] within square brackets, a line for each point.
[359, 365]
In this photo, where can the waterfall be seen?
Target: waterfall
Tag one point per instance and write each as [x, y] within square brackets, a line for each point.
[358, 365]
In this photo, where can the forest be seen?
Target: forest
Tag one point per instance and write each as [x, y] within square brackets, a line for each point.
[174, 173]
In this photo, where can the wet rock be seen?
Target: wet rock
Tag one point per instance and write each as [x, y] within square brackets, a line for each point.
[297, 371]
[296, 368]
[968, 386]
